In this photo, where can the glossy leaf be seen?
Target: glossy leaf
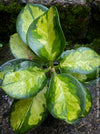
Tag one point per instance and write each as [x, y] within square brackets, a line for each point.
[29, 113]
[88, 102]
[1, 75]
[45, 36]
[29, 13]
[80, 77]
[25, 81]
[82, 61]
[10, 66]
[66, 98]
[19, 49]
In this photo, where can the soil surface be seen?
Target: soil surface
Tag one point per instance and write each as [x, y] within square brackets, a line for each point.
[88, 125]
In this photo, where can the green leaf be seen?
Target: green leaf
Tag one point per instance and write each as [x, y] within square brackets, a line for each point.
[25, 81]
[92, 82]
[10, 66]
[66, 99]
[19, 49]
[1, 75]
[80, 77]
[29, 113]
[82, 61]
[88, 102]
[45, 36]
[29, 13]
[87, 77]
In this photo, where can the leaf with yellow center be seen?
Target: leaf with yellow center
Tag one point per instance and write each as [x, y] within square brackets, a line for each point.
[83, 61]
[29, 113]
[45, 36]
[66, 98]
[29, 13]
[25, 81]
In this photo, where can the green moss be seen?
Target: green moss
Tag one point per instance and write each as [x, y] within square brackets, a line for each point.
[95, 45]
[94, 23]
[78, 26]
[89, 1]
[8, 15]
[74, 21]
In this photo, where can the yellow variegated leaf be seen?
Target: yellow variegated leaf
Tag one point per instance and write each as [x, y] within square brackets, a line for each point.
[29, 113]
[29, 13]
[25, 81]
[83, 60]
[88, 102]
[9, 66]
[45, 36]
[1, 75]
[19, 49]
[66, 98]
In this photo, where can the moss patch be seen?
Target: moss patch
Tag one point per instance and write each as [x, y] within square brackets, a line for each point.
[80, 23]
[8, 15]
[74, 21]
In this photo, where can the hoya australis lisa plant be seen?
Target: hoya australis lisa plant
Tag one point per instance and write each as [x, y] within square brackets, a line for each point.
[35, 82]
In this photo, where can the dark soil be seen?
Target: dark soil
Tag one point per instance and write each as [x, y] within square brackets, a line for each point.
[88, 125]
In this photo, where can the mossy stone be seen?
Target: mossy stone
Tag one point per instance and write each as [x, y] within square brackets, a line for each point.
[8, 15]
[74, 21]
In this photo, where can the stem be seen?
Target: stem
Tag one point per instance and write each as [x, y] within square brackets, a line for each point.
[53, 70]
[51, 64]
[47, 70]
[58, 67]
[28, 53]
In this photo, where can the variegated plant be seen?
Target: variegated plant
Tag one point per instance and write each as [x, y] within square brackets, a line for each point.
[33, 79]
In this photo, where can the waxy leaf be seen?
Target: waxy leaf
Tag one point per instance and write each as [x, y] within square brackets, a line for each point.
[19, 49]
[82, 61]
[26, 17]
[88, 102]
[10, 66]
[80, 77]
[1, 75]
[29, 113]
[25, 81]
[66, 98]
[85, 77]
[45, 36]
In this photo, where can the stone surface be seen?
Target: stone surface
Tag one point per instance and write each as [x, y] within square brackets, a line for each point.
[51, 1]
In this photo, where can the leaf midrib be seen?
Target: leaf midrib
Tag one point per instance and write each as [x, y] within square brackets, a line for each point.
[20, 125]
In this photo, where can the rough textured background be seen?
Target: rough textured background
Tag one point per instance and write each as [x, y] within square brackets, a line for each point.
[80, 21]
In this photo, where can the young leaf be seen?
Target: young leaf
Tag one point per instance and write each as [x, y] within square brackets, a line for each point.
[26, 17]
[88, 102]
[25, 81]
[83, 61]
[45, 36]
[19, 49]
[66, 98]
[29, 113]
